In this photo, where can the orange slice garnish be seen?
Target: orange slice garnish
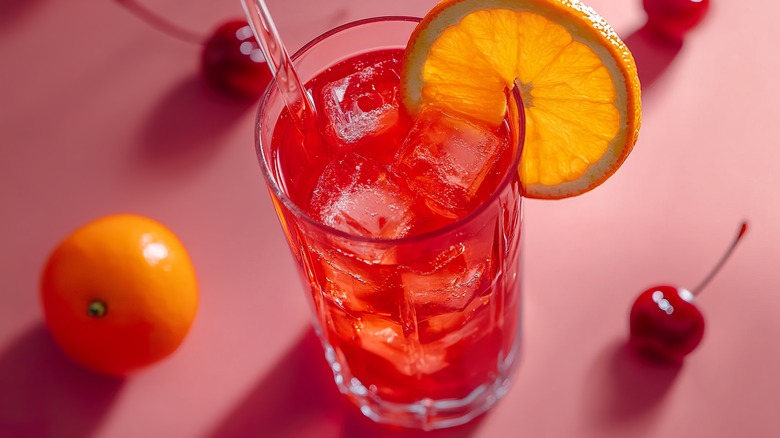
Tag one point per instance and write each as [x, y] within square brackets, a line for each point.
[577, 78]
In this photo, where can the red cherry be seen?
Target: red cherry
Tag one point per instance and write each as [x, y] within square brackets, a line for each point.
[233, 63]
[665, 323]
[674, 18]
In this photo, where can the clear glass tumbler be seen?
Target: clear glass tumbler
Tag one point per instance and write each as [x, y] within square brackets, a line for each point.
[423, 331]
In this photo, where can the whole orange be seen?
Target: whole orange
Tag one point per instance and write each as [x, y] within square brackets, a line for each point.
[119, 293]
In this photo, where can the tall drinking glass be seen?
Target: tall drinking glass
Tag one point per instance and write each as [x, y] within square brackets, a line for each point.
[420, 331]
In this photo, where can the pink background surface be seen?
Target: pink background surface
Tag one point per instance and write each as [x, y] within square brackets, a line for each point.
[100, 113]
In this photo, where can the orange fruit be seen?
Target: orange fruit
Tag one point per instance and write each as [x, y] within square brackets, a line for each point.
[578, 82]
[119, 293]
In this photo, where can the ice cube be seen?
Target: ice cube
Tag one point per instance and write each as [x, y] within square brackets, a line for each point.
[386, 340]
[448, 286]
[362, 104]
[446, 159]
[356, 285]
[360, 197]
[447, 329]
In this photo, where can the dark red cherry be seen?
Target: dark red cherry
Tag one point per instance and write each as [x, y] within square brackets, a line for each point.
[674, 18]
[665, 323]
[233, 63]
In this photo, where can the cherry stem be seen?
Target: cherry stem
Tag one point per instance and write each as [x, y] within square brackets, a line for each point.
[97, 309]
[161, 24]
[742, 230]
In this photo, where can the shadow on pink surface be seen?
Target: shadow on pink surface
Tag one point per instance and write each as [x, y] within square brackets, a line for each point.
[626, 388]
[298, 398]
[652, 53]
[43, 393]
[15, 12]
[185, 129]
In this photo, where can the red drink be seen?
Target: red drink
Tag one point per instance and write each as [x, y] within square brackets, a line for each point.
[361, 124]
[407, 232]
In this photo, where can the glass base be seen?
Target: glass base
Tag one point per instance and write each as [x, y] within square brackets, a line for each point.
[426, 414]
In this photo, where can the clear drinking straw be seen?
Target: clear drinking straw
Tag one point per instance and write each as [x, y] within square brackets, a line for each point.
[297, 100]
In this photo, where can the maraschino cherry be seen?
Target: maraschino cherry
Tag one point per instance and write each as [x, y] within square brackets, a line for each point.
[231, 61]
[675, 18]
[665, 324]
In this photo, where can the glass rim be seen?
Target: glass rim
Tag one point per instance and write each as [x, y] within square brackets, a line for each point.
[300, 213]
